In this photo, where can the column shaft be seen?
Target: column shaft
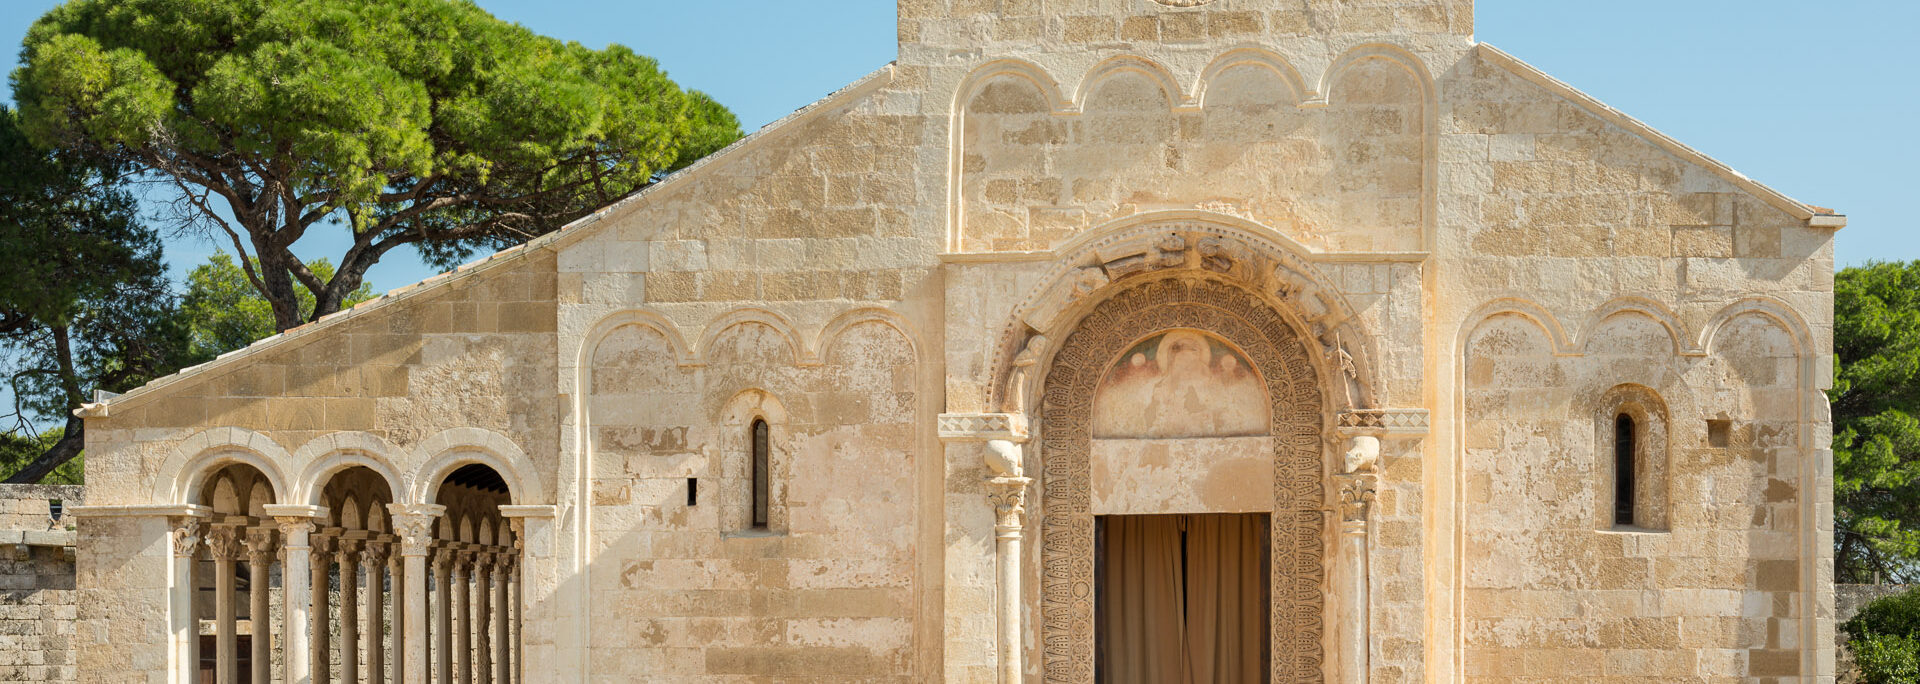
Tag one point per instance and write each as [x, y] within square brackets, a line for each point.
[224, 543]
[482, 620]
[397, 571]
[414, 525]
[1008, 495]
[443, 616]
[462, 621]
[321, 647]
[259, 595]
[296, 655]
[180, 621]
[374, 563]
[350, 611]
[502, 618]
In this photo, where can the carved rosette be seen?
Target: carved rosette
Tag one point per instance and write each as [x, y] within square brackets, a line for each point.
[1299, 522]
[186, 537]
[1009, 498]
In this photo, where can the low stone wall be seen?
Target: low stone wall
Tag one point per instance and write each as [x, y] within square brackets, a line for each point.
[37, 609]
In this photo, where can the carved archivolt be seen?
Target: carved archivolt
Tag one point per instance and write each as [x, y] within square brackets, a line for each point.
[1284, 360]
[1180, 243]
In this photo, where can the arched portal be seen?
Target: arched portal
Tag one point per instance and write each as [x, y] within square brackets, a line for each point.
[233, 574]
[476, 590]
[1183, 312]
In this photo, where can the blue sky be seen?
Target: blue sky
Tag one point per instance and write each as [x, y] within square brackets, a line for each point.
[1817, 100]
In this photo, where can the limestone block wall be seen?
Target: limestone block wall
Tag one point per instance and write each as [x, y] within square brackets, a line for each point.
[37, 599]
[464, 355]
[1584, 259]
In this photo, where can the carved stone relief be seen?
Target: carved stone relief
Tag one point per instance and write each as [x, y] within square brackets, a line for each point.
[1285, 362]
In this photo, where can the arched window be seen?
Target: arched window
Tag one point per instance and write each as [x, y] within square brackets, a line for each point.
[1631, 464]
[1623, 467]
[760, 474]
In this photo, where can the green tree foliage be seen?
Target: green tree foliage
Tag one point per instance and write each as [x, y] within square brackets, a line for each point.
[224, 312]
[1885, 639]
[84, 302]
[406, 122]
[1876, 443]
[18, 450]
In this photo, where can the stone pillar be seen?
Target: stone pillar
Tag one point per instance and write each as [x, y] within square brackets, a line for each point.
[223, 543]
[462, 619]
[1009, 498]
[482, 618]
[1357, 490]
[295, 535]
[502, 619]
[443, 615]
[414, 524]
[259, 596]
[373, 562]
[180, 624]
[320, 649]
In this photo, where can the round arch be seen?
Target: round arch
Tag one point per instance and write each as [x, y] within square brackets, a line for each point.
[449, 450]
[205, 453]
[334, 452]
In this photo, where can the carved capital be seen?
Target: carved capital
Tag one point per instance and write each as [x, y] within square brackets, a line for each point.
[349, 551]
[1356, 501]
[415, 531]
[296, 531]
[224, 543]
[376, 554]
[1009, 498]
[321, 547]
[186, 537]
[260, 546]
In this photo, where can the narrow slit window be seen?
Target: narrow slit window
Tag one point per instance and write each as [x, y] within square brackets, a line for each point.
[1623, 462]
[760, 474]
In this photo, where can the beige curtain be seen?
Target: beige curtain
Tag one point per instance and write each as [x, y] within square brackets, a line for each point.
[1183, 599]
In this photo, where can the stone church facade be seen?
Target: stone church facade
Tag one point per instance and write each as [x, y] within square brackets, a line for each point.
[1484, 381]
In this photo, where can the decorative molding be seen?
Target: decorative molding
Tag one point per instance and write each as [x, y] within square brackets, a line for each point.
[155, 511]
[1300, 520]
[981, 427]
[1385, 422]
[1183, 3]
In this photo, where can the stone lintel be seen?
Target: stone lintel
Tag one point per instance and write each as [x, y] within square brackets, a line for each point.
[295, 511]
[527, 511]
[143, 511]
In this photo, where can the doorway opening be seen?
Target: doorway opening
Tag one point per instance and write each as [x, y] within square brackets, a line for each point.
[1182, 598]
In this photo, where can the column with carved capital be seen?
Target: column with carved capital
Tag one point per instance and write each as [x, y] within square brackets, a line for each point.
[502, 616]
[462, 618]
[396, 578]
[320, 648]
[186, 542]
[1009, 498]
[1357, 485]
[260, 554]
[349, 555]
[224, 545]
[373, 562]
[296, 539]
[414, 524]
[482, 618]
[443, 615]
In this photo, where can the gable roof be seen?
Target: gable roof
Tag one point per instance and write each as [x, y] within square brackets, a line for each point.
[1819, 217]
[568, 234]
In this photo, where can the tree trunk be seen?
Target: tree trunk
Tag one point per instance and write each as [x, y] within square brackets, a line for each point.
[280, 292]
[62, 451]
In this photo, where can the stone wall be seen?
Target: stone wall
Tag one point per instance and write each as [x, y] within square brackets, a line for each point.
[37, 607]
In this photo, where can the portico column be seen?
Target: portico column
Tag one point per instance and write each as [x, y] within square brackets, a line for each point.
[259, 596]
[373, 562]
[185, 636]
[443, 615]
[482, 618]
[296, 538]
[414, 524]
[502, 618]
[321, 647]
[350, 610]
[462, 619]
[224, 545]
[397, 575]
